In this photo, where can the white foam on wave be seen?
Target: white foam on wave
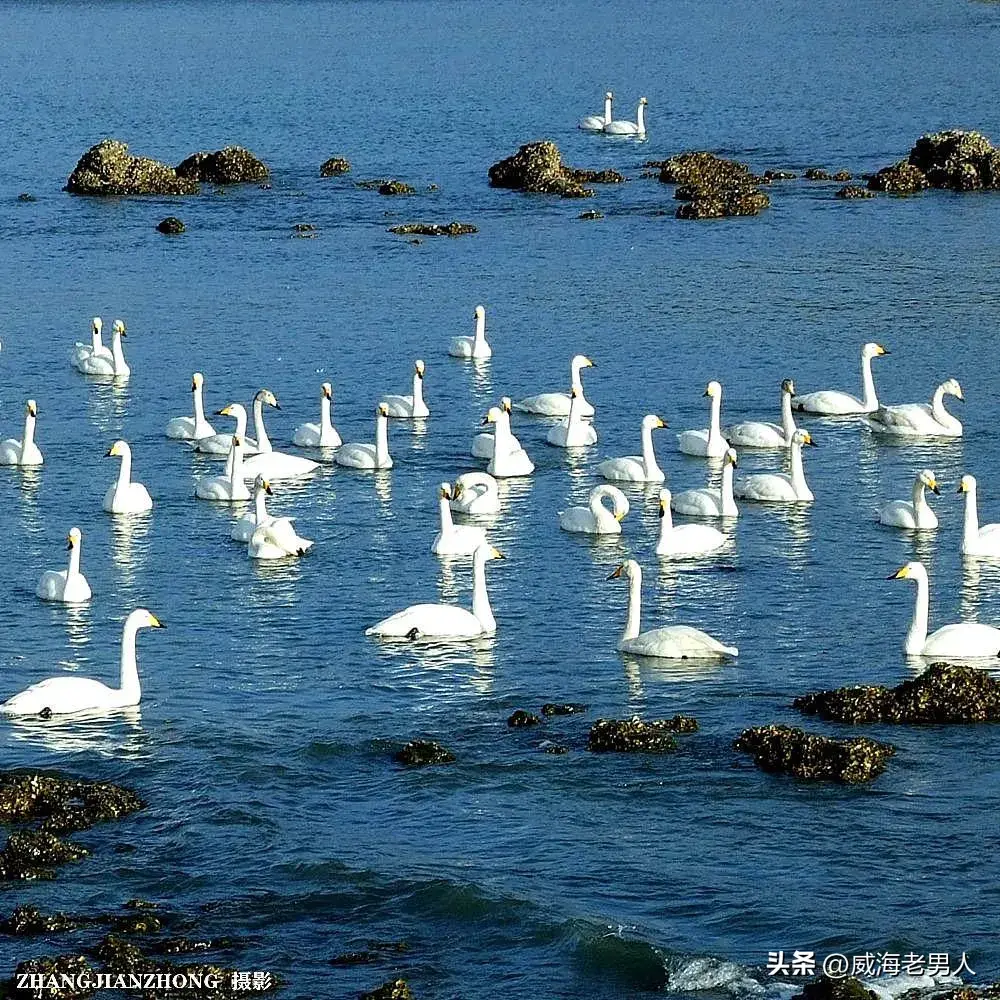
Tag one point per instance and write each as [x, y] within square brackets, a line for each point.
[706, 973]
[889, 987]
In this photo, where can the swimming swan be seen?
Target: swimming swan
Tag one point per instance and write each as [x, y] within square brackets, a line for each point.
[831, 403]
[509, 458]
[685, 539]
[596, 123]
[962, 641]
[473, 348]
[229, 487]
[776, 487]
[66, 585]
[556, 404]
[475, 493]
[638, 127]
[976, 540]
[95, 348]
[916, 514]
[67, 695]
[220, 444]
[192, 428]
[595, 518]
[920, 419]
[280, 540]
[124, 496]
[674, 641]
[758, 434]
[636, 468]
[708, 443]
[482, 444]
[369, 456]
[101, 364]
[409, 406]
[323, 434]
[709, 502]
[572, 431]
[454, 539]
[25, 451]
[248, 523]
[446, 621]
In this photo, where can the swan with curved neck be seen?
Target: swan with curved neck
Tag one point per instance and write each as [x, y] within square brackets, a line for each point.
[636, 468]
[832, 403]
[227, 488]
[672, 641]
[125, 496]
[267, 462]
[707, 443]
[95, 348]
[323, 434]
[446, 621]
[709, 502]
[483, 443]
[101, 364]
[368, 456]
[574, 431]
[221, 444]
[66, 585]
[624, 127]
[192, 428]
[556, 404]
[475, 493]
[454, 539]
[965, 640]
[248, 523]
[977, 541]
[413, 406]
[25, 451]
[776, 487]
[474, 348]
[759, 434]
[920, 419]
[69, 695]
[915, 514]
[685, 540]
[596, 518]
[509, 458]
[596, 123]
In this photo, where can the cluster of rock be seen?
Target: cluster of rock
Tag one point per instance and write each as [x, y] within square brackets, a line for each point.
[955, 159]
[232, 165]
[819, 174]
[712, 186]
[419, 753]
[335, 166]
[637, 735]
[433, 229]
[537, 168]
[850, 191]
[385, 185]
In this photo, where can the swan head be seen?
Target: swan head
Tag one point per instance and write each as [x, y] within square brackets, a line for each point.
[382, 411]
[873, 350]
[581, 361]
[730, 457]
[232, 410]
[664, 502]
[119, 449]
[326, 390]
[31, 408]
[266, 396]
[911, 571]
[197, 381]
[627, 569]
[486, 552]
[802, 437]
[653, 422]
[493, 414]
[952, 387]
[418, 367]
[713, 389]
[445, 491]
[929, 480]
[608, 96]
[788, 386]
[967, 484]
[74, 538]
[479, 312]
[141, 618]
[457, 490]
[97, 324]
[262, 484]
[506, 405]
[643, 101]
[119, 328]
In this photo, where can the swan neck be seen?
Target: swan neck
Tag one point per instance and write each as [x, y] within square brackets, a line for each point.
[970, 530]
[480, 338]
[324, 414]
[869, 400]
[607, 110]
[260, 507]
[446, 520]
[502, 435]
[798, 473]
[96, 344]
[714, 430]
[263, 441]
[648, 455]
[728, 500]
[418, 391]
[125, 470]
[634, 607]
[919, 497]
[29, 432]
[130, 669]
[917, 635]
[787, 420]
[666, 523]
[480, 598]
[236, 470]
[117, 353]
[574, 379]
[640, 118]
[574, 411]
[381, 440]
[74, 560]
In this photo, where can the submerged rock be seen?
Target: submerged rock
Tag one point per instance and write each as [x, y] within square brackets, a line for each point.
[779, 175]
[395, 989]
[356, 958]
[537, 168]
[62, 974]
[900, 178]
[637, 735]
[29, 920]
[713, 186]
[170, 226]
[591, 213]
[842, 175]
[24, 196]
[418, 753]
[232, 165]
[335, 166]
[816, 174]
[433, 229]
[395, 187]
[62, 804]
[786, 750]
[563, 708]
[825, 988]
[942, 693]
[853, 191]
[521, 718]
[109, 169]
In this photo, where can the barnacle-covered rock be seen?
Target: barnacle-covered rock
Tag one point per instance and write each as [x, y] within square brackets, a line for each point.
[433, 229]
[170, 226]
[816, 174]
[29, 920]
[850, 191]
[791, 751]
[900, 178]
[961, 160]
[395, 989]
[825, 988]
[232, 165]
[521, 718]
[563, 708]
[62, 804]
[391, 187]
[591, 213]
[418, 753]
[109, 169]
[537, 167]
[335, 166]
[841, 175]
[66, 977]
[779, 175]
[713, 186]
[638, 735]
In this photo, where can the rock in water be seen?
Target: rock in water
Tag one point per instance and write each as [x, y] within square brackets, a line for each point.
[109, 169]
[433, 229]
[232, 165]
[712, 186]
[395, 989]
[334, 166]
[900, 178]
[418, 753]
[956, 159]
[637, 735]
[537, 167]
[170, 226]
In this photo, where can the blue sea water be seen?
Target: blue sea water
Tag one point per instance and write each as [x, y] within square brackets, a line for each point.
[264, 739]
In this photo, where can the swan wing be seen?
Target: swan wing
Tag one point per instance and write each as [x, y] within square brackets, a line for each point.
[356, 456]
[755, 434]
[547, 404]
[278, 465]
[678, 642]
[828, 402]
[765, 486]
[697, 503]
[52, 584]
[965, 639]
[897, 514]
[432, 621]
[62, 696]
[908, 418]
[691, 540]
[460, 347]
[628, 469]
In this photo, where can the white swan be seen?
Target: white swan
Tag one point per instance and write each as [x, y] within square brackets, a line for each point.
[475, 493]
[595, 518]
[221, 444]
[483, 444]
[556, 404]
[636, 468]
[964, 640]
[323, 434]
[831, 403]
[596, 123]
[369, 456]
[409, 406]
[280, 540]
[638, 127]
[277, 465]
[192, 428]
[685, 539]
[572, 431]
[25, 451]
[759, 434]
[67, 695]
[229, 487]
[776, 487]
[101, 364]
[446, 621]
[454, 539]
[709, 502]
[95, 348]
[473, 348]
[248, 523]
[976, 540]
[674, 641]
[707, 443]
[920, 419]
[916, 514]
[66, 585]
[509, 458]
[124, 496]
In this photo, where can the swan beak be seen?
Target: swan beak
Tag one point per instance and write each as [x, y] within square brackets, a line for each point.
[155, 622]
[591, 364]
[901, 574]
[194, 385]
[497, 554]
[663, 509]
[707, 392]
[69, 542]
[936, 488]
[619, 515]
[486, 420]
[961, 488]
[32, 410]
[383, 411]
[328, 393]
[224, 412]
[456, 491]
[267, 488]
[660, 422]
[617, 572]
[809, 441]
[882, 350]
[445, 493]
[506, 406]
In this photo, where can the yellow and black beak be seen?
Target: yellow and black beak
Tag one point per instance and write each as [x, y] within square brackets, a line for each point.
[936, 488]
[617, 572]
[663, 509]
[267, 488]
[69, 542]
[155, 622]
[900, 574]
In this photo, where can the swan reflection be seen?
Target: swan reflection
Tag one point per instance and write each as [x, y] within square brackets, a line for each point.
[118, 734]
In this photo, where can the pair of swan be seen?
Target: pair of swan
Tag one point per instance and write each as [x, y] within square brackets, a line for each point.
[369, 456]
[100, 361]
[673, 641]
[454, 539]
[685, 540]
[409, 407]
[66, 585]
[920, 419]
[572, 431]
[557, 404]
[68, 695]
[475, 493]
[636, 468]
[776, 487]
[961, 641]
[509, 458]
[976, 540]
[624, 127]
[484, 444]
[831, 403]
[229, 487]
[596, 123]
[708, 501]
[95, 348]
[916, 513]
[707, 443]
[220, 444]
[25, 451]
[125, 496]
[196, 427]
[446, 621]
[473, 348]
[268, 537]
[760, 434]
[595, 518]
[323, 434]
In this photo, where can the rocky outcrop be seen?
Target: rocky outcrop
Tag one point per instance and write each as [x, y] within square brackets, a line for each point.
[785, 750]
[849, 191]
[956, 159]
[712, 186]
[432, 229]
[109, 169]
[418, 753]
[537, 168]
[637, 735]
[392, 187]
[563, 708]
[232, 165]
[395, 989]
[62, 804]
[590, 214]
[825, 988]
[521, 719]
[900, 178]
[334, 167]
[170, 226]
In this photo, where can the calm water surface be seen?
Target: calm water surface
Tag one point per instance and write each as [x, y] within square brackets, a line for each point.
[264, 740]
